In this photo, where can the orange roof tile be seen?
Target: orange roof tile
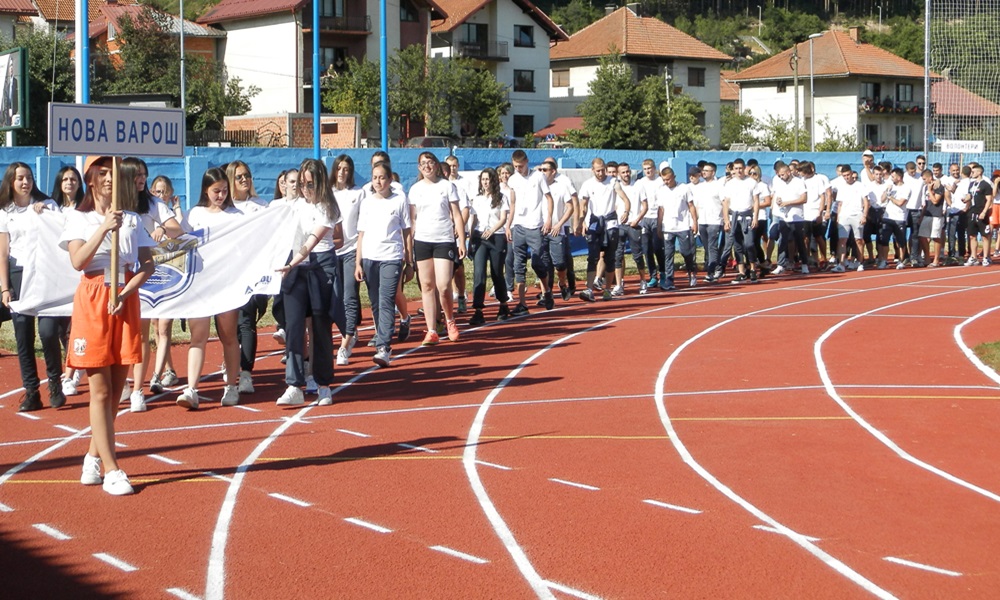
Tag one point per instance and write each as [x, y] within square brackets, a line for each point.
[953, 100]
[560, 126]
[460, 10]
[67, 9]
[113, 13]
[837, 55]
[633, 35]
[17, 7]
[232, 10]
[729, 91]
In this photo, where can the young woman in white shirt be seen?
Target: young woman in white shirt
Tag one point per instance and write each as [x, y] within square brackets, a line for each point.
[19, 196]
[436, 220]
[67, 192]
[105, 337]
[349, 196]
[214, 209]
[489, 245]
[164, 374]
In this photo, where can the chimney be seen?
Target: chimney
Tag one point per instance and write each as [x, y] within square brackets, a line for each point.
[853, 32]
[609, 8]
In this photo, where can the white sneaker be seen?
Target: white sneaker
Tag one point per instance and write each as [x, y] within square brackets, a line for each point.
[838, 268]
[383, 357]
[325, 396]
[231, 397]
[91, 470]
[292, 397]
[279, 336]
[805, 269]
[311, 387]
[971, 262]
[188, 399]
[126, 390]
[882, 264]
[69, 386]
[619, 290]
[116, 483]
[861, 267]
[246, 382]
[169, 378]
[343, 357]
[643, 286]
[778, 270]
[137, 401]
[987, 262]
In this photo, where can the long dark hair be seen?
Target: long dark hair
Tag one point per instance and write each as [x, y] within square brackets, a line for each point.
[324, 195]
[493, 191]
[343, 158]
[7, 185]
[57, 193]
[385, 166]
[277, 185]
[132, 166]
[212, 176]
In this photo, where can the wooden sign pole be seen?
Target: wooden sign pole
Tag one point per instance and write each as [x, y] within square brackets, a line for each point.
[114, 234]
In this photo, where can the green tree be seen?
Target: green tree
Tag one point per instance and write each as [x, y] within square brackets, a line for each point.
[836, 141]
[479, 101]
[669, 123]
[723, 34]
[356, 90]
[576, 15]
[50, 78]
[779, 134]
[736, 127]
[612, 112]
[409, 65]
[784, 28]
[904, 38]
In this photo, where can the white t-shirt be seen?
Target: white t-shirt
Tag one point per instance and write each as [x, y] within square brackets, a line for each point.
[383, 220]
[529, 199]
[313, 216]
[740, 193]
[16, 222]
[433, 201]
[674, 204]
[851, 200]
[875, 192]
[816, 186]
[600, 197]
[250, 205]
[158, 214]
[488, 217]
[131, 236]
[636, 196]
[958, 201]
[349, 201]
[917, 194]
[649, 186]
[562, 191]
[199, 217]
[892, 211]
[707, 197]
[787, 192]
[762, 191]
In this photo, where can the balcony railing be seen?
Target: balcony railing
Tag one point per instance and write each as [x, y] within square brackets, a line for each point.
[355, 24]
[867, 106]
[491, 50]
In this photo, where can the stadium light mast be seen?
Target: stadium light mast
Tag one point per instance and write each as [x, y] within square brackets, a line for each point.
[812, 96]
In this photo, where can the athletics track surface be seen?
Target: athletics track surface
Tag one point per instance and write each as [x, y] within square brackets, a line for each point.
[807, 437]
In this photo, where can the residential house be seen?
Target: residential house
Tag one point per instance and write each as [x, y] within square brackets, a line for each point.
[651, 48]
[199, 40]
[12, 12]
[859, 88]
[60, 15]
[269, 42]
[959, 114]
[511, 38]
[729, 90]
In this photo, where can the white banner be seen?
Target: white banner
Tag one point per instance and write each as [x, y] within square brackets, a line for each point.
[204, 273]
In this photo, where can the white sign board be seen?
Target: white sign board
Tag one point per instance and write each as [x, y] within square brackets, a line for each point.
[115, 130]
[965, 146]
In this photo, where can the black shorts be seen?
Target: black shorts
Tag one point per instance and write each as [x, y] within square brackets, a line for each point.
[428, 250]
[979, 227]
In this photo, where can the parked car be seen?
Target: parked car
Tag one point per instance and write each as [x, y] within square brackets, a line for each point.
[556, 145]
[431, 141]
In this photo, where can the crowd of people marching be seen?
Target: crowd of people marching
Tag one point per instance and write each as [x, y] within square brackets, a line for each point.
[377, 233]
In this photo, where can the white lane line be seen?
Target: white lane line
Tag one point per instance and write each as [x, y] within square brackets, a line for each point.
[294, 501]
[5, 508]
[28, 416]
[220, 477]
[67, 428]
[779, 532]
[570, 591]
[354, 433]
[182, 594]
[115, 562]
[969, 354]
[461, 555]
[20, 389]
[164, 459]
[493, 465]
[367, 525]
[886, 441]
[420, 448]
[582, 486]
[119, 444]
[51, 532]
[247, 408]
[922, 567]
[683, 509]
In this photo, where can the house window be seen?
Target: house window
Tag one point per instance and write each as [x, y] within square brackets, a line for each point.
[904, 92]
[524, 80]
[696, 77]
[111, 31]
[335, 57]
[523, 125]
[331, 8]
[782, 87]
[872, 137]
[407, 12]
[644, 71]
[474, 32]
[560, 78]
[904, 136]
[699, 118]
[524, 36]
[871, 91]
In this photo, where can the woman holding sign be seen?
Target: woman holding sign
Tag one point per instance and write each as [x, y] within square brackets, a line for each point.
[105, 337]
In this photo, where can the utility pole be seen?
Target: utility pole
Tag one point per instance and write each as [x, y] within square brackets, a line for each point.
[794, 64]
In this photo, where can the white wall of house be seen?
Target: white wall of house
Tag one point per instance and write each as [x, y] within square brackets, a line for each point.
[373, 46]
[535, 59]
[707, 95]
[265, 52]
[563, 101]
[7, 26]
[836, 106]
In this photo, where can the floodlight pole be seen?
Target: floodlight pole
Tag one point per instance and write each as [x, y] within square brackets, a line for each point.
[795, 83]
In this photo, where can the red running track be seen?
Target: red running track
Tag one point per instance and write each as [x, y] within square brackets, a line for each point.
[818, 436]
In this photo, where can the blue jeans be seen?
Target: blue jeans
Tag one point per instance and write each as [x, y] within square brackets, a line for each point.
[541, 262]
[382, 278]
[352, 300]
[709, 235]
[652, 246]
[682, 241]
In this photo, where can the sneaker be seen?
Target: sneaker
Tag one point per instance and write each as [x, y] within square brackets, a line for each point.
[740, 278]
[169, 378]
[452, 330]
[343, 357]
[32, 401]
[861, 267]
[540, 301]
[901, 265]
[882, 264]
[987, 262]
[137, 401]
[371, 343]
[383, 357]
[126, 390]
[279, 336]
[520, 310]
[599, 284]
[477, 319]
[69, 386]
[311, 387]
[292, 397]
[188, 399]
[933, 265]
[462, 305]
[325, 396]
[231, 397]
[972, 261]
[587, 295]
[566, 293]
[709, 278]
[404, 330]
[753, 276]
[548, 302]
[778, 270]
[838, 268]
[606, 295]
[642, 288]
[116, 483]
[666, 284]
[56, 397]
[155, 387]
[91, 474]
[493, 292]
[692, 280]
[805, 269]
[246, 382]
[618, 291]
[431, 339]
[504, 313]
[654, 281]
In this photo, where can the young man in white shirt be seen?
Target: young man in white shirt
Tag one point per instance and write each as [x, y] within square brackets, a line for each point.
[893, 226]
[598, 194]
[464, 204]
[708, 202]
[852, 198]
[563, 209]
[958, 199]
[678, 221]
[529, 222]
[652, 241]
[815, 211]
[739, 209]
[630, 230]
[914, 212]
[787, 197]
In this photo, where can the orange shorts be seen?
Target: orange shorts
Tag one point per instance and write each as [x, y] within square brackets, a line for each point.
[995, 216]
[97, 339]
